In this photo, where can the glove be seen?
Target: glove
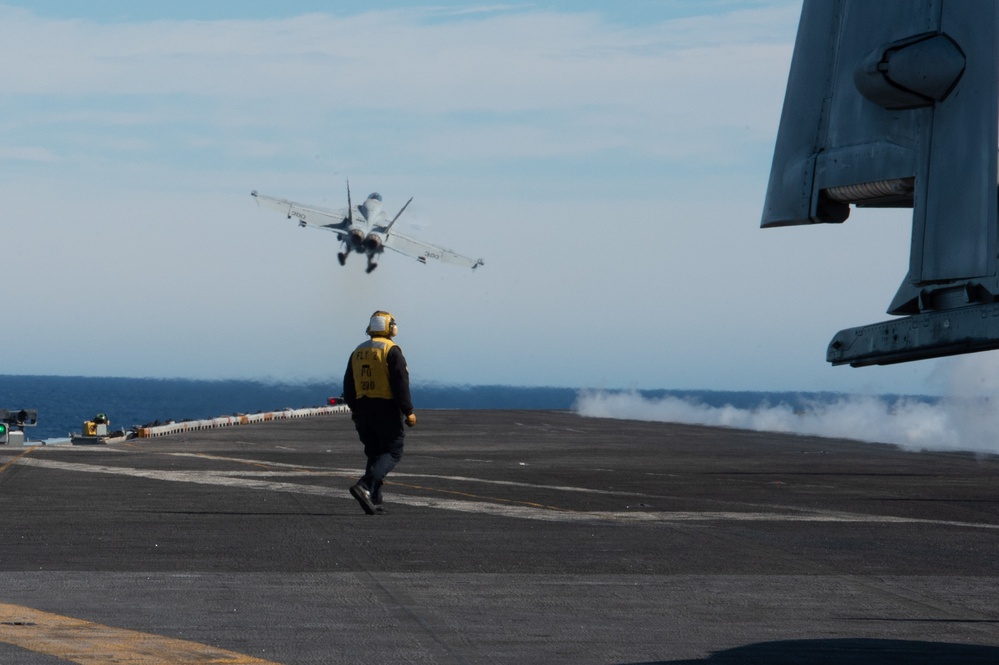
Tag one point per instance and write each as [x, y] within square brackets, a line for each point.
[411, 420]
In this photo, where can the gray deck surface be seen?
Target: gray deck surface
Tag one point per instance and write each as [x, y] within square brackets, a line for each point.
[513, 537]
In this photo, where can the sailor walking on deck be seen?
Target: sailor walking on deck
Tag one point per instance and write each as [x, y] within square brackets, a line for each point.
[376, 388]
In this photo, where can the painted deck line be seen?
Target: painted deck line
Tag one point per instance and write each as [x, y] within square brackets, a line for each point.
[489, 506]
[87, 643]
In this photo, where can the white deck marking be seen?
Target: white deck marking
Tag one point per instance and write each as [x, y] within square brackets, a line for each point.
[397, 475]
[497, 507]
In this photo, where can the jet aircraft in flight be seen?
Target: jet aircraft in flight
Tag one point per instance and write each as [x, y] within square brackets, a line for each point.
[365, 229]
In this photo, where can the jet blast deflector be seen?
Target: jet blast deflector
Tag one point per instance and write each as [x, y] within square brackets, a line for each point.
[896, 104]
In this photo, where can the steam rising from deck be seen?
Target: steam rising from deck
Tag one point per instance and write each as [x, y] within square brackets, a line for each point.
[967, 419]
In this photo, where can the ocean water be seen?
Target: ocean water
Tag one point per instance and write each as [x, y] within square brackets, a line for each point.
[65, 402]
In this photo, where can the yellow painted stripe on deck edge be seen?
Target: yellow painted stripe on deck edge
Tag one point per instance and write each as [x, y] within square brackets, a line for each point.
[14, 460]
[89, 643]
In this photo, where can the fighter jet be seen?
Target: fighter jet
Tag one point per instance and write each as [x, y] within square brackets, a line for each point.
[365, 229]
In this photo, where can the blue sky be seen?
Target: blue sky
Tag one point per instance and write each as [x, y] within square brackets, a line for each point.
[631, 12]
[608, 161]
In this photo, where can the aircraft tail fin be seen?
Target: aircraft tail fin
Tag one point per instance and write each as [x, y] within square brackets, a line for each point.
[350, 206]
[397, 215]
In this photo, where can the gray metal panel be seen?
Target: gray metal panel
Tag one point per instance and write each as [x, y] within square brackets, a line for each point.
[896, 104]
[852, 120]
[864, 163]
[830, 135]
[929, 335]
[960, 211]
[789, 193]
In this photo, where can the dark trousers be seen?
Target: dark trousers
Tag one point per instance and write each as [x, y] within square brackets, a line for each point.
[383, 439]
[375, 471]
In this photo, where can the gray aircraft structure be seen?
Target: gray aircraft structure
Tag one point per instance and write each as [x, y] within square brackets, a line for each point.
[895, 105]
[365, 229]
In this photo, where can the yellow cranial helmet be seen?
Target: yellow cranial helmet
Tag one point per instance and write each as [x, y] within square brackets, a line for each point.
[382, 324]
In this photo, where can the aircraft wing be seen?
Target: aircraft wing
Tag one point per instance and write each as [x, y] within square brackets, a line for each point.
[306, 215]
[424, 252]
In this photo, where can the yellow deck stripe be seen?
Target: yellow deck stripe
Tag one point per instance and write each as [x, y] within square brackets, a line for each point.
[89, 643]
[12, 461]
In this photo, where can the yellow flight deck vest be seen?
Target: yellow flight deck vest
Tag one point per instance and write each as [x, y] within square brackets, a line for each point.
[369, 365]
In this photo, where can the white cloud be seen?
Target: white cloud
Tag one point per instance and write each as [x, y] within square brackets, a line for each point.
[394, 59]
[507, 85]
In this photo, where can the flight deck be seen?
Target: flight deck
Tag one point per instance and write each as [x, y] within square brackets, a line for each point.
[511, 537]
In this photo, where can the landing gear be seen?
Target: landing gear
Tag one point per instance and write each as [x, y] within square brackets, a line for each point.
[342, 257]
[371, 266]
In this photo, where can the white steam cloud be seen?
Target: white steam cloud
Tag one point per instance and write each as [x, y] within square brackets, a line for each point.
[967, 419]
